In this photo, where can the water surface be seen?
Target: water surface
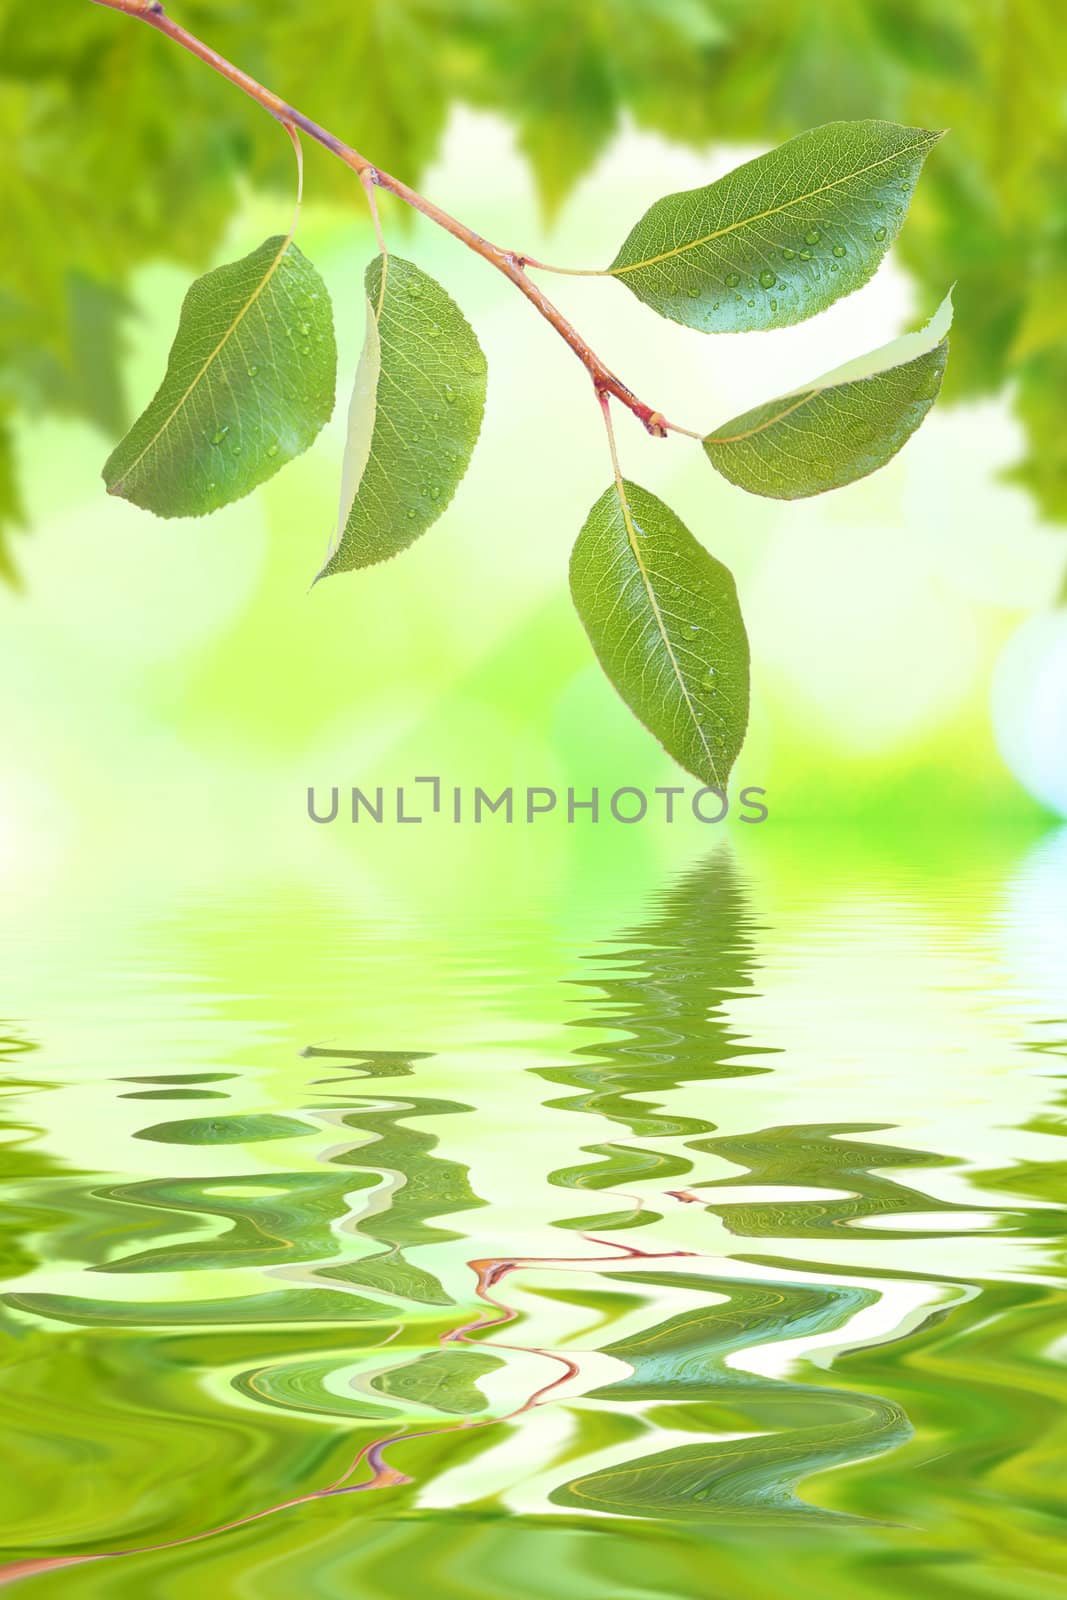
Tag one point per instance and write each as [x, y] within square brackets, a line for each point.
[716, 1253]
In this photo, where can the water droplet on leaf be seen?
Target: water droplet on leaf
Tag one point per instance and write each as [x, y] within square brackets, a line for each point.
[839, 250]
[812, 236]
[732, 280]
[880, 233]
[768, 279]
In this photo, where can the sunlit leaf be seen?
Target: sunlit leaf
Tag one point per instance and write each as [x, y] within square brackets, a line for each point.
[249, 383]
[414, 419]
[847, 424]
[663, 618]
[89, 111]
[780, 237]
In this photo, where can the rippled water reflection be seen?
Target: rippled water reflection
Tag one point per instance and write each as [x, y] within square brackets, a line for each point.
[717, 1256]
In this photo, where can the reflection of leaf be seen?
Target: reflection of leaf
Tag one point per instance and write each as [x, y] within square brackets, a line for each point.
[277, 1306]
[689, 1354]
[415, 416]
[799, 1428]
[744, 1478]
[848, 424]
[817, 1157]
[657, 1011]
[307, 1386]
[445, 1380]
[423, 1185]
[226, 1130]
[663, 618]
[249, 383]
[780, 237]
[391, 1274]
[296, 1215]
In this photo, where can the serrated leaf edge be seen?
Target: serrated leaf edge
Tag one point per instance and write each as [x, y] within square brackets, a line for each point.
[927, 340]
[117, 487]
[631, 534]
[931, 138]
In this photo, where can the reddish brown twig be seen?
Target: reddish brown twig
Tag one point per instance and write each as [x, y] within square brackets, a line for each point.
[510, 263]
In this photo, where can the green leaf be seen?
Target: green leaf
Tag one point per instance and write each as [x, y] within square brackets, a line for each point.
[415, 415]
[780, 237]
[840, 428]
[663, 618]
[249, 383]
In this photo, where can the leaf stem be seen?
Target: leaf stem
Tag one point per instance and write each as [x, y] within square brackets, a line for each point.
[298, 151]
[605, 411]
[632, 535]
[367, 181]
[512, 265]
[568, 272]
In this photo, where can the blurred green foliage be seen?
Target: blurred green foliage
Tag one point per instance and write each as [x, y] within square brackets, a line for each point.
[120, 148]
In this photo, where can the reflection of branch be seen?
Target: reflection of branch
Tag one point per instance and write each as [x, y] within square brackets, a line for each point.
[512, 265]
[383, 1476]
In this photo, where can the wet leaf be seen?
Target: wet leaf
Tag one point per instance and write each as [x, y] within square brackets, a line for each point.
[249, 383]
[846, 425]
[663, 618]
[780, 237]
[415, 415]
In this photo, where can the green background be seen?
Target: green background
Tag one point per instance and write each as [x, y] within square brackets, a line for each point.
[185, 665]
[565, 1021]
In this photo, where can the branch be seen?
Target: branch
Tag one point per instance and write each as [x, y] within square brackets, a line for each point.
[513, 266]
